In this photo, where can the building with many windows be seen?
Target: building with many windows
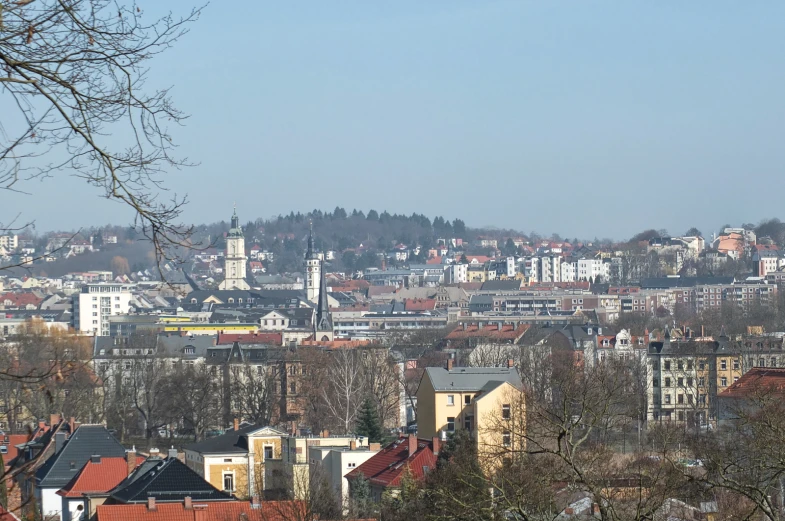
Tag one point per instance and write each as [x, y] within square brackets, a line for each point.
[96, 303]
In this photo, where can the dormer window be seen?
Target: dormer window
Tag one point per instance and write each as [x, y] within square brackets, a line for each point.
[189, 350]
[606, 342]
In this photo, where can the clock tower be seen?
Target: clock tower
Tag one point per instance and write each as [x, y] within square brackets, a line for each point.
[313, 268]
[235, 263]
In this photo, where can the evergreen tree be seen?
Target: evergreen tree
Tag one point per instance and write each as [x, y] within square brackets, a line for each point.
[362, 505]
[368, 423]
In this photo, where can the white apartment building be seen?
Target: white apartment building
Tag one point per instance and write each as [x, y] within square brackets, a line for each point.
[456, 273]
[334, 463]
[568, 271]
[546, 269]
[9, 242]
[96, 303]
[593, 268]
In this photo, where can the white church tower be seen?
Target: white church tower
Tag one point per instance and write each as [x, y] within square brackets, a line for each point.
[313, 268]
[235, 264]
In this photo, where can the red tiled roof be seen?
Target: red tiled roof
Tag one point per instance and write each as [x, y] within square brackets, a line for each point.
[21, 299]
[250, 338]
[212, 511]
[386, 467]
[757, 380]
[419, 304]
[434, 260]
[505, 332]
[97, 478]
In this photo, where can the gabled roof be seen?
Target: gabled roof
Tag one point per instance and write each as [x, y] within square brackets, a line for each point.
[470, 378]
[98, 477]
[387, 467]
[757, 381]
[166, 480]
[220, 511]
[86, 441]
[232, 441]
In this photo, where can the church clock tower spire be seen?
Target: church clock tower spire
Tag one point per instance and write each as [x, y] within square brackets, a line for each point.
[313, 268]
[235, 264]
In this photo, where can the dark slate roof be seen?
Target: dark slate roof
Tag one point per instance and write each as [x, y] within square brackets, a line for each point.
[86, 441]
[166, 480]
[231, 441]
[471, 378]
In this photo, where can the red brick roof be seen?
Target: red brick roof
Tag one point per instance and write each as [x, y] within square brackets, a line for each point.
[386, 468]
[419, 304]
[21, 299]
[213, 511]
[757, 380]
[249, 338]
[434, 260]
[97, 478]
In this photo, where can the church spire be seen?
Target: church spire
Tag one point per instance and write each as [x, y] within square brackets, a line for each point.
[323, 322]
[235, 219]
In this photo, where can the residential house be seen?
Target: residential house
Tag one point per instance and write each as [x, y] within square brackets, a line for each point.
[70, 454]
[758, 387]
[386, 469]
[335, 463]
[486, 401]
[235, 461]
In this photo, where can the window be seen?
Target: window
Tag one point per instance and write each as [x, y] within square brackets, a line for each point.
[736, 364]
[655, 382]
[450, 399]
[229, 482]
[689, 365]
[680, 365]
[467, 399]
[701, 365]
[292, 388]
[450, 424]
[761, 362]
[667, 382]
[689, 382]
[268, 452]
[681, 399]
[701, 381]
[681, 416]
[351, 465]
[667, 365]
[723, 382]
[506, 411]
[506, 438]
[702, 399]
[467, 423]
[668, 399]
[689, 399]
[189, 350]
[681, 382]
[227, 460]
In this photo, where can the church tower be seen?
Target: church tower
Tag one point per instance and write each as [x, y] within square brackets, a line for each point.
[323, 325]
[235, 264]
[313, 268]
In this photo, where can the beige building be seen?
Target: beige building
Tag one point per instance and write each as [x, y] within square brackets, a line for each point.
[486, 401]
[235, 461]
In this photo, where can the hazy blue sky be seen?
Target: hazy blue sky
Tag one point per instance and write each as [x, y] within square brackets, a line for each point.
[581, 118]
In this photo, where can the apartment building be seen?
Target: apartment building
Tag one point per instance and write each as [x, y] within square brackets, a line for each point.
[96, 303]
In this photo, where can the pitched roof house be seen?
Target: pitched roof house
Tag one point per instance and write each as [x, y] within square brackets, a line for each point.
[387, 467]
[189, 510]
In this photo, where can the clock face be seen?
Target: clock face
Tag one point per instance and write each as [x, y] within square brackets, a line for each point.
[310, 269]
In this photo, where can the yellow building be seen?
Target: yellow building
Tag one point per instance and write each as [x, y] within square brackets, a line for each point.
[235, 461]
[487, 401]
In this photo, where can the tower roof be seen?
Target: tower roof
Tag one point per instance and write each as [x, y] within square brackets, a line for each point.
[235, 230]
[323, 320]
[311, 253]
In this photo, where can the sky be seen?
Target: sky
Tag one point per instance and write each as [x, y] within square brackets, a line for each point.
[587, 119]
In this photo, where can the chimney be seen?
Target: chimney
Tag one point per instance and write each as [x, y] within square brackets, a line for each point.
[41, 424]
[71, 424]
[703, 331]
[436, 444]
[54, 419]
[130, 460]
[510, 363]
[375, 446]
[59, 441]
[172, 453]
[255, 503]
[188, 503]
[150, 503]
[353, 445]
[325, 433]
[200, 512]
[595, 508]
[412, 444]
[95, 459]
[449, 364]
[569, 511]
[237, 424]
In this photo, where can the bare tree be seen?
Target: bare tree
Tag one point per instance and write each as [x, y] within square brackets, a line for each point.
[194, 398]
[381, 381]
[74, 72]
[343, 393]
